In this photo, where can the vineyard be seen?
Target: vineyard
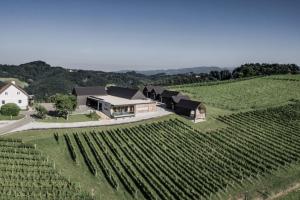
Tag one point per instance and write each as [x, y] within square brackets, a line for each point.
[26, 174]
[255, 93]
[172, 160]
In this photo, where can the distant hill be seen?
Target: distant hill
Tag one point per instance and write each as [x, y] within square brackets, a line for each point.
[196, 70]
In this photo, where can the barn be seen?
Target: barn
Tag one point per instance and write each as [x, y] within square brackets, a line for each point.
[191, 109]
[156, 92]
[147, 90]
[166, 97]
[176, 99]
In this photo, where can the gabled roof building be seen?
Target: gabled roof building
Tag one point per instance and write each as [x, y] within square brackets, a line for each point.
[12, 93]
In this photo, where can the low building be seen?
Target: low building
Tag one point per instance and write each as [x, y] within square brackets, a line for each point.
[82, 93]
[191, 109]
[156, 92]
[166, 97]
[153, 92]
[147, 91]
[176, 99]
[117, 102]
[12, 93]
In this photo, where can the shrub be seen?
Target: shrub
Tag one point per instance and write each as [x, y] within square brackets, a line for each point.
[93, 115]
[10, 109]
[41, 111]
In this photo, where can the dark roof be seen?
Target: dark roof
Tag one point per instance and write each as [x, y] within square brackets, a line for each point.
[148, 87]
[169, 93]
[176, 99]
[4, 87]
[94, 90]
[189, 104]
[127, 93]
[158, 89]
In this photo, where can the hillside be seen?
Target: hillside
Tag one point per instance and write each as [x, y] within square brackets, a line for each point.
[247, 94]
[250, 154]
[44, 80]
[196, 70]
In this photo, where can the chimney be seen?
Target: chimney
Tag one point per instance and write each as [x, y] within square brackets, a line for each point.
[13, 82]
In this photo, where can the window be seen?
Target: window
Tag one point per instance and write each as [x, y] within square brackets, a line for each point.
[18, 93]
[3, 102]
[20, 101]
[6, 93]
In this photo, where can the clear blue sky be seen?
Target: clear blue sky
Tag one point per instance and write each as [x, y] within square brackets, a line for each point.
[139, 34]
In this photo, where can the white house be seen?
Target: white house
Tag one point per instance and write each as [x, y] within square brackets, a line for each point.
[11, 93]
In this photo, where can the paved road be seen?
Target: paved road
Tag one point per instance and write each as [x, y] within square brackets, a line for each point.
[17, 124]
[44, 125]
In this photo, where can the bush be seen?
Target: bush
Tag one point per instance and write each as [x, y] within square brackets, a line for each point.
[93, 115]
[10, 109]
[41, 111]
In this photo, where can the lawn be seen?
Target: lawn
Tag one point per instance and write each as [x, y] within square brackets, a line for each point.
[247, 94]
[72, 118]
[4, 118]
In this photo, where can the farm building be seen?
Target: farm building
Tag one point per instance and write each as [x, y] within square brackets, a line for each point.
[166, 97]
[147, 90]
[192, 109]
[12, 93]
[82, 93]
[153, 92]
[176, 99]
[116, 102]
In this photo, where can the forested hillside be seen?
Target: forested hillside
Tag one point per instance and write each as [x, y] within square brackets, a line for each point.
[44, 80]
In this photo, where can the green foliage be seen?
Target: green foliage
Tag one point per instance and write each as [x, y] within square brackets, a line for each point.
[65, 104]
[93, 115]
[248, 94]
[179, 162]
[27, 174]
[10, 109]
[41, 111]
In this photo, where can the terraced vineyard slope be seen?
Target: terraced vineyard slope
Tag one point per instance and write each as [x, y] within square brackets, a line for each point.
[26, 174]
[172, 160]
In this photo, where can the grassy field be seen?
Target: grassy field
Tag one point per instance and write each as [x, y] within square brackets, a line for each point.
[3, 117]
[248, 94]
[72, 118]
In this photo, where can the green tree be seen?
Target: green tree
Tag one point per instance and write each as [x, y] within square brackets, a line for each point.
[10, 109]
[41, 111]
[65, 104]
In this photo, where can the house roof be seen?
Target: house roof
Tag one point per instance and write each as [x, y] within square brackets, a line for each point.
[169, 93]
[127, 93]
[176, 99]
[189, 104]
[148, 87]
[4, 87]
[94, 90]
[158, 89]
[119, 101]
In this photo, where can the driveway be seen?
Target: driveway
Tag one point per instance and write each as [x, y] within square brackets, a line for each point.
[12, 125]
[139, 117]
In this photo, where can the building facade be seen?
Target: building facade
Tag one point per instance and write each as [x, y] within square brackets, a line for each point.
[11, 93]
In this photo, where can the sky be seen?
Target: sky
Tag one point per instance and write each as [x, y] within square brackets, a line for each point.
[149, 34]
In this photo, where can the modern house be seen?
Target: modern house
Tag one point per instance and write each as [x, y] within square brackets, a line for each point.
[192, 109]
[12, 93]
[82, 93]
[115, 102]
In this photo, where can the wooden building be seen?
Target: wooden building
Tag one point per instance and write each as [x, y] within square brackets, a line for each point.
[166, 97]
[192, 109]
